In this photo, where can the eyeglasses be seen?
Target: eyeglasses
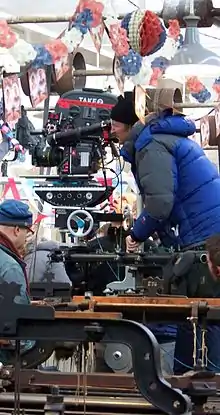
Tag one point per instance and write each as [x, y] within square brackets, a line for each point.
[28, 229]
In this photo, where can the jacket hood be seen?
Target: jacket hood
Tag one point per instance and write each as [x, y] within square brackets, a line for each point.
[141, 135]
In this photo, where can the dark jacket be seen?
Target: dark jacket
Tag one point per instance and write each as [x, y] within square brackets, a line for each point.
[12, 270]
[179, 184]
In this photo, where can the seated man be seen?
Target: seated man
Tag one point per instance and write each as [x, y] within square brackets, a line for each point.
[15, 225]
[38, 263]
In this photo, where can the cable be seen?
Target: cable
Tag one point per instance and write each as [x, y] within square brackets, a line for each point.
[175, 359]
[133, 4]
[100, 245]
[115, 177]
[185, 365]
[34, 256]
[210, 36]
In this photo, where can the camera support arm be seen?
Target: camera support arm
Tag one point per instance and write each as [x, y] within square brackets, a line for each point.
[28, 322]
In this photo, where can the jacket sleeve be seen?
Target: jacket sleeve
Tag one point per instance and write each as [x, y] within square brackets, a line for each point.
[14, 273]
[157, 174]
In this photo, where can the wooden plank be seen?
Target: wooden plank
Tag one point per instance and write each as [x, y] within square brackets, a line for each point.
[143, 301]
[105, 381]
[76, 315]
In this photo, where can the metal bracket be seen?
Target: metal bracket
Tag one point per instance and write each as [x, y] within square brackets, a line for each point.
[33, 357]
[128, 283]
[11, 314]
[47, 289]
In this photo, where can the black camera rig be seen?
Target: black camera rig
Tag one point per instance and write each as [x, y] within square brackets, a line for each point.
[77, 135]
[149, 274]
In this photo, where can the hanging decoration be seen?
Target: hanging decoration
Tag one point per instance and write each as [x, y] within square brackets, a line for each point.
[88, 15]
[97, 34]
[216, 87]
[72, 39]
[131, 63]
[7, 37]
[23, 52]
[91, 10]
[145, 47]
[37, 81]
[142, 45]
[152, 34]
[119, 40]
[161, 59]
[12, 99]
[197, 89]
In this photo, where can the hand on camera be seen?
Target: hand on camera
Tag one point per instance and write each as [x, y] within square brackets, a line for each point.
[131, 245]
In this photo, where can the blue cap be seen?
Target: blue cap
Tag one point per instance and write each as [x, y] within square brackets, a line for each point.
[15, 213]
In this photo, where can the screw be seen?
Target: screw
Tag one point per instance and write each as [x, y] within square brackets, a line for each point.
[117, 355]
[176, 404]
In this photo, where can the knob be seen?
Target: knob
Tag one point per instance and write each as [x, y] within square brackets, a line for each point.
[49, 196]
[88, 196]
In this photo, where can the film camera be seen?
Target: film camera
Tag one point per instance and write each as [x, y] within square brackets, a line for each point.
[77, 135]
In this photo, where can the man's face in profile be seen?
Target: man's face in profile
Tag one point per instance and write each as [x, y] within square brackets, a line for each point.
[120, 130]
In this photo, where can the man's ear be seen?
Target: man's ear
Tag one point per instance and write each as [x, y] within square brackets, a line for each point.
[16, 230]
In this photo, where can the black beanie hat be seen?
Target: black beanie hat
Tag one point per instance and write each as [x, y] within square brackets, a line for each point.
[124, 111]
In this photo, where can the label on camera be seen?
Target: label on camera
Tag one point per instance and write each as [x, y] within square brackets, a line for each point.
[84, 159]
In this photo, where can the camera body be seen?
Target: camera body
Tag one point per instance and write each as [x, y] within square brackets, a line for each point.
[77, 133]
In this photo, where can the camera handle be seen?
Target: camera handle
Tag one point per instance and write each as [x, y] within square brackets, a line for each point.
[81, 222]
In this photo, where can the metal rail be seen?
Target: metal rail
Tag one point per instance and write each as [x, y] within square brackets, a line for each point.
[176, 106]
[42, 19]
[93, 72]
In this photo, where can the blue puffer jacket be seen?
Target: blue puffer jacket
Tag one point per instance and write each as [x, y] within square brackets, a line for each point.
[179, 184]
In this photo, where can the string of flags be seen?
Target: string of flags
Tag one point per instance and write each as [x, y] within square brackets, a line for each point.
[143, 48]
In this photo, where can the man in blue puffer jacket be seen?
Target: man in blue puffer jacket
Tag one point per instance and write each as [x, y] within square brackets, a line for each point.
[123, 118]
[180, 189]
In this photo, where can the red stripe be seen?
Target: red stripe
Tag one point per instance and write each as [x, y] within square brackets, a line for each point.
[11, 185]
[67, 103]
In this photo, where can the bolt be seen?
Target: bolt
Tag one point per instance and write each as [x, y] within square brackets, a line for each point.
[117, 355]
[176, 404]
